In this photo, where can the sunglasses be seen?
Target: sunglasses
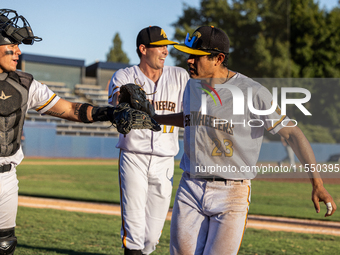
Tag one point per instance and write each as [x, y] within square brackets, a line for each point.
[192, 43]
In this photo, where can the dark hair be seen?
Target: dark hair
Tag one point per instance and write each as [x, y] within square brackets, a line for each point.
[215, 54]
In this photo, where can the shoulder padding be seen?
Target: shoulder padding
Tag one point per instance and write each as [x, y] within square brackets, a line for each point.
[22, 78]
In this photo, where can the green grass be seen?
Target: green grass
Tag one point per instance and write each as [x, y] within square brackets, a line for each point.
[46, 231]
[80, 182]
[289, 200]
[266, 242]
[92, 182]
[77, 182]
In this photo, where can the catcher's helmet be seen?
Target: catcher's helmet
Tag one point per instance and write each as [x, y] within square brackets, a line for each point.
[11, 32]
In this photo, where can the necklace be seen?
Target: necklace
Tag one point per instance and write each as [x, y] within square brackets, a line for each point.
[227, 77]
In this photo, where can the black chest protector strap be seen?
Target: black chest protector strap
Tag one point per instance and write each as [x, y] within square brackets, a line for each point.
[14, 87]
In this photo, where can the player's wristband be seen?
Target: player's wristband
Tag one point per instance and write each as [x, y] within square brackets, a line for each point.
[97, 113]
[83, 113]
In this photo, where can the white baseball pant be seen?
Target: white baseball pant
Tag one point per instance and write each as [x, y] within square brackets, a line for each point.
[209, 218]
[8, 198]
[145, 187]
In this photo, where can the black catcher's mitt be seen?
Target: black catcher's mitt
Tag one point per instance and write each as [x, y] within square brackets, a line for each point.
[126, 118]
[135, 96]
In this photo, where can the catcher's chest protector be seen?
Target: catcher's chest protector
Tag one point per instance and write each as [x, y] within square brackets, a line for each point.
[14, 88]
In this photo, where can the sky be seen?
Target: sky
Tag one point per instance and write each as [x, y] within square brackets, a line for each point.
[84, 29]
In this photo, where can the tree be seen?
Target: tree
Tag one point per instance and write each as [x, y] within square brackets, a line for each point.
[279, 39]
[257, 29]
[116, 53]
[315, 40]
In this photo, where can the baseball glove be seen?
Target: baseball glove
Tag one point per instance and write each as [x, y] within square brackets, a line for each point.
[135, 96]
[126, 118]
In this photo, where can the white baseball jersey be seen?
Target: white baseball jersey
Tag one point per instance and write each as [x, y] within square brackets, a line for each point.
[166, 99]
[221, 143]
[40, 98]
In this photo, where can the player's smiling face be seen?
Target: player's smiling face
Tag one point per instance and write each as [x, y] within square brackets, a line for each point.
[155, 56]
[200, 66]
[9, 56]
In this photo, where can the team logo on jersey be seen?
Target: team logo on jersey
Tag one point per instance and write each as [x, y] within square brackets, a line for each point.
[3, 96]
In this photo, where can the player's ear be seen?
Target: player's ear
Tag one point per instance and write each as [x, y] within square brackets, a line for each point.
[219, 59]
[142, 49]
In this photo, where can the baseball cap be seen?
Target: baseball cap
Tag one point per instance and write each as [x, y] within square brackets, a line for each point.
[204, 40]
[153, 35]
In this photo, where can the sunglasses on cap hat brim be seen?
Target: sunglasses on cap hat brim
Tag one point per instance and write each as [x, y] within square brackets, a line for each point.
[190, 45]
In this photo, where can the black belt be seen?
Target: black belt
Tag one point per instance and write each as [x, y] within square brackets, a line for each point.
[217, 179]
[5, 168]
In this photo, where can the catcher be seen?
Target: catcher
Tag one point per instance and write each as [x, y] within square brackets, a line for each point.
[20, 92]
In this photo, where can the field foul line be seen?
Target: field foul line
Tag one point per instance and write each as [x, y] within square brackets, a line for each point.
[254, 221]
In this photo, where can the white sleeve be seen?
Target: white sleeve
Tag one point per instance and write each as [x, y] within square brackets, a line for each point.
[118, 79]
[41, 98]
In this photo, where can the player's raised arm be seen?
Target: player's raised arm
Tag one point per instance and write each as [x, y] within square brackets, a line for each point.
[305, 154]
[80, 112]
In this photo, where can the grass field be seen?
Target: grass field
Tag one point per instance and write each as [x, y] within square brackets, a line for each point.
[46, 231]
[90, 180]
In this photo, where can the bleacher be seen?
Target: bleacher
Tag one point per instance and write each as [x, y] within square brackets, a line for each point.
[61, 90]
[83, 94]
[92, 93]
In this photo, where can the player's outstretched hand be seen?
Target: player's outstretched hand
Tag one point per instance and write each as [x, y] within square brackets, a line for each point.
[125, 118]
[320, 194]
[134, 95]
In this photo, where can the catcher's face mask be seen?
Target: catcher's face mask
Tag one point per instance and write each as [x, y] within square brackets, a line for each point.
[11, 32]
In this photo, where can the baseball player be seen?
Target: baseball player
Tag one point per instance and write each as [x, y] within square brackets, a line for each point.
[20, 92]
[212, 201]
[146, 162]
